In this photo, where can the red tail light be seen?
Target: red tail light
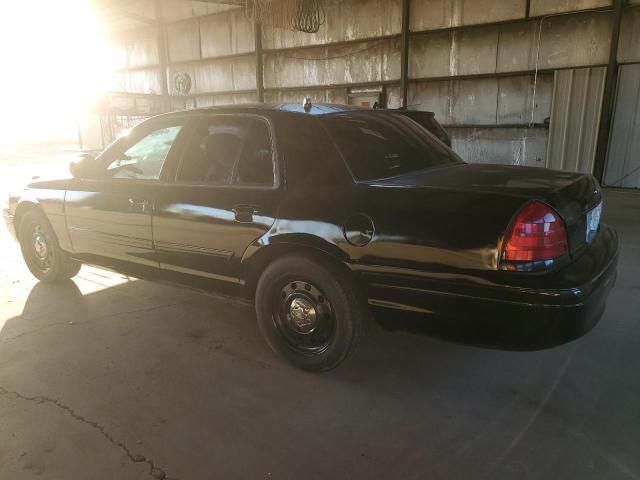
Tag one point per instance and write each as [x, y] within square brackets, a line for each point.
[538, 234]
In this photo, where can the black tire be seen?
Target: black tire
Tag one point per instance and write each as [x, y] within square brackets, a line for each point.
[41, 251]
[310, 311]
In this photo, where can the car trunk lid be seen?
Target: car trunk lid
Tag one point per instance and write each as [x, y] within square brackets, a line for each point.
[572, 195]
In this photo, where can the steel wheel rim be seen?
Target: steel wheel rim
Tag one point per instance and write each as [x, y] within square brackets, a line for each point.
[304, 317]
[41, 249]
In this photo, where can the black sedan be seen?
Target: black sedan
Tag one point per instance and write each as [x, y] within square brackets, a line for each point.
[320, 216]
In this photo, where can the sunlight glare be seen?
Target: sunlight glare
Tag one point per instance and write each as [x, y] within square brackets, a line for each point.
[56, 63]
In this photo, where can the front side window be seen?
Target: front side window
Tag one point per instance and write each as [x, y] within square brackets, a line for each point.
[376, 146]
[144, 159]
[229, 150]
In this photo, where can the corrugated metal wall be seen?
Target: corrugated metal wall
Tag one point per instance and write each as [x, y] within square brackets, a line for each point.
[623, 159]
[472, 62]
[575, 118]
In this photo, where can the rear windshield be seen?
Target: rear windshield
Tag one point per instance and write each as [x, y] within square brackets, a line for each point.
[384, 145]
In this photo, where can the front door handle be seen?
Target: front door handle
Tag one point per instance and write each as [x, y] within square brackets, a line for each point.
[138, 205]
[244, 213]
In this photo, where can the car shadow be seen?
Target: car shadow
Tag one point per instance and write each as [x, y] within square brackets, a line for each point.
[63, 304]
[482, 331]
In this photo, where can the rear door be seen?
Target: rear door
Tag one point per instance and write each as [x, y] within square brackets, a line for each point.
[225, 196]
[110, 216]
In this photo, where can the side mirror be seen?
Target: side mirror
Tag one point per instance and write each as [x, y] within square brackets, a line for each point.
[84, 166]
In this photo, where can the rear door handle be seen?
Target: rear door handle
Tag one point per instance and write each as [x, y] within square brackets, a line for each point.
[138, 204]
[244, 213]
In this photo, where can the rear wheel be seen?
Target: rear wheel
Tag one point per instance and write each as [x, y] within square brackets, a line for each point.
[41, 251]
[310, 312]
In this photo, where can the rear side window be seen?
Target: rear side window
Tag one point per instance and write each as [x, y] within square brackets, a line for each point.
[384, 145]
[229, 150]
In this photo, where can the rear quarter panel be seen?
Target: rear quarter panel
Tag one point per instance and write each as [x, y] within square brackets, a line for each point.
[431, 229]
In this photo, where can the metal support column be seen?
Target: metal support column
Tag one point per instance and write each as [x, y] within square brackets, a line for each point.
[404, 62]
[259, 62]
[163, 57]
[608, 100]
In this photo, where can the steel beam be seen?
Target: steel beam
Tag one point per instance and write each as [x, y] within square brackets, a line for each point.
[259, 62]
[163, 56]
[404, 53]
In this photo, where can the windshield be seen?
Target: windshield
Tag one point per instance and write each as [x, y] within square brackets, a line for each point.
[384, 145]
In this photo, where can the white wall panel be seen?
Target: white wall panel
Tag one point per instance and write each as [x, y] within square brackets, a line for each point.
[546, 7]
[138, 81]
[226, 34]
[435, 14]
[430, 55]
[517, 47]
[487, 101]
[516, 99]
[369, 62]
[629, 46]
[136, 48]
[575, 40]
[184, 41]
[432, 97]
[476, 52]
[345, 20]
[218, 75]
[329, 95]
[507, 146]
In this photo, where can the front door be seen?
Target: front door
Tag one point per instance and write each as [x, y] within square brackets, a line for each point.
[110, 216]
[224, 197]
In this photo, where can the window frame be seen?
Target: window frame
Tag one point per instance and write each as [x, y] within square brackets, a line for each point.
[138, 133]
[354, 178]
[277, 181]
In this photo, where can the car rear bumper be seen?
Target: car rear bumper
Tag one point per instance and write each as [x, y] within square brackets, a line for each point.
[8, 221]
[539, 310]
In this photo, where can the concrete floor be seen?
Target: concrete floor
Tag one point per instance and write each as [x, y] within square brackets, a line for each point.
[107, 377]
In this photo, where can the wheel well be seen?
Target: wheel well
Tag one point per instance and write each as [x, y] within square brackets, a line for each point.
[265, 256]
[22, 208]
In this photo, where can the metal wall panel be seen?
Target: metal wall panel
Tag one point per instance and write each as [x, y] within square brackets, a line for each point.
[507, 146]
[549, 7]
[184, 41]
[565, 42]
[575, 118]
[623, 159]
[218, 75]
[330, 95]
[352, 20]
[377, 61]
[576, 40]
[226, 34]
[484, 101]
[629, 46]
[138, 81]
[434, 14]
[136, 49]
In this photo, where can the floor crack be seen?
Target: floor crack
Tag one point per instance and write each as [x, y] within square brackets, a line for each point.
[154, 470]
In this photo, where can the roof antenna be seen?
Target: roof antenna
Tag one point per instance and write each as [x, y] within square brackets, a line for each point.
[306, 104]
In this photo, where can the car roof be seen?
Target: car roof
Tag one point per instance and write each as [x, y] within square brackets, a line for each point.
[317, 109]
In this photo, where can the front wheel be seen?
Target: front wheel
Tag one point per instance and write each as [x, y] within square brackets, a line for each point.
[42, 254]
[310, 311]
